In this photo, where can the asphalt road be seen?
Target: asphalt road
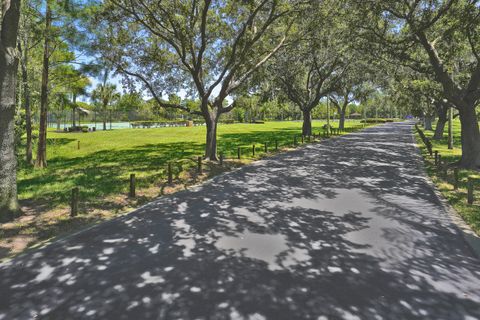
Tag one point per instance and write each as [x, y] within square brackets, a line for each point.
[345, 229]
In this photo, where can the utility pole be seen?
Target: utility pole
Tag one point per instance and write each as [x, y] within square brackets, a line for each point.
[450, 131]
[328, 117]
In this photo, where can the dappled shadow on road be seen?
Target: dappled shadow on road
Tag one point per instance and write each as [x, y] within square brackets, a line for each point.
[346, 229]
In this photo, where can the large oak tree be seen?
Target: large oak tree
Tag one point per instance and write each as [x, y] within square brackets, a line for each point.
[440, 37]
[206, 48]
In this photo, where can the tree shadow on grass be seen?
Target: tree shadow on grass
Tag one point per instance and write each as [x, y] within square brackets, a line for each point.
[342, 230]
[105, 172]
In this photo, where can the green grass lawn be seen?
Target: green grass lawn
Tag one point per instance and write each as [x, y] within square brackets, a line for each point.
[457, 198]
[106, 158]
[102, 165]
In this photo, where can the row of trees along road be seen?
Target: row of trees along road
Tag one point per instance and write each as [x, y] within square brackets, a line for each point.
[439, 39]
[221, 54]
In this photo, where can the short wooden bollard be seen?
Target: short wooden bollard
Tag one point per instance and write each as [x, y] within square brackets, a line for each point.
[455, 178]
[199, 165]
[470, 190]
[78, 145]
[302, 138]
[309, 139]
[221, 159]
[266, 147]
[436, 157]
[131, 194]
[169, 173]
[238, 153]
[253, 151]
[276, 145]
[74, 202]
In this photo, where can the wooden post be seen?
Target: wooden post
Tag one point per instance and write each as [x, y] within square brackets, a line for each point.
[294, 141]
[74, 202]
[439, 161]
[455, 178]
[302, 138]
[436, 157]
[221, 159]
[470, 191]
[78, 145]
[266, 147]
[238, 153]
[253, 150]
[169, 173]
[276, 145]
[199, 165]
[131, 194]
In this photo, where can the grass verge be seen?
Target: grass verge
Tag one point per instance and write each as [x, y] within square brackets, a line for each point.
[445, 183]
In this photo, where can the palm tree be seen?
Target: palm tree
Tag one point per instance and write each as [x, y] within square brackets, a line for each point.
[105, 94]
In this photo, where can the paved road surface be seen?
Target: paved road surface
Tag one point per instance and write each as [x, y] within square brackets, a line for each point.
[345, 229]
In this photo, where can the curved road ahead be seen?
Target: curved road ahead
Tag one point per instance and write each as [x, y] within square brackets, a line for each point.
[345, 229]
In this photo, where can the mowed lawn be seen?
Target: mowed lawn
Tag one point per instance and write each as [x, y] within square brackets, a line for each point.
[102, 165]
[457, 198]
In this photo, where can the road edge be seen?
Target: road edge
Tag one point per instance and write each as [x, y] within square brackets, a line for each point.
[469, 236]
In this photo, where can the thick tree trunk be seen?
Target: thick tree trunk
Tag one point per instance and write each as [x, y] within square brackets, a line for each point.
[428, 122]
[41, 160]
[470, 138]
[211, 121]
[438, 135]
[307, 122]
[442, 120]
[8, 72]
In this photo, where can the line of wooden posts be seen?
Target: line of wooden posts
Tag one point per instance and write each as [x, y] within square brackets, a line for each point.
[75, 197]
[443, 167]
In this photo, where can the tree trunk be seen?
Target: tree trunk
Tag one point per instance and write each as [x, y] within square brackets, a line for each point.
[211, 121]
[341, 123]
[26, 98]
[470, 138]
[428, 122]
[41, 160]
[442, 120]
[104, 107]
[307, 122]
[8, 72]
[438, 135]
[74, 124]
